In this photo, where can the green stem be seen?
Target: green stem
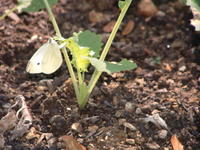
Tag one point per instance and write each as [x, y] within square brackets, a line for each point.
[8, 12]
[79, 77]
[83, 101]
[96, 73]
[64, 51]
[114, 31]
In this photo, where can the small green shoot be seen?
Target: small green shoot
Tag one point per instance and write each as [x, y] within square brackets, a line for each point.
[36, 5]
[28, 6]
[121, 4]
[155, 60]
[85, 48]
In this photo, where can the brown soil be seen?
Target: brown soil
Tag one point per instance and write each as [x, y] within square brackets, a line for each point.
[169, 86]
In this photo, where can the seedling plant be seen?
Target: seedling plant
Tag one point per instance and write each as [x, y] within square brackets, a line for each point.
[84, 48]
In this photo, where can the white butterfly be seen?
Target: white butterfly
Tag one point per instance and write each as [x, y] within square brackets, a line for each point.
[47, 59]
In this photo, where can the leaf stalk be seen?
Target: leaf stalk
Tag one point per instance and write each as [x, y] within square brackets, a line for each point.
[96, 73]
[64, 51]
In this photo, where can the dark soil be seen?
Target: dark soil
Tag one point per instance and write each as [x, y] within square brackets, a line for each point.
[167, 80]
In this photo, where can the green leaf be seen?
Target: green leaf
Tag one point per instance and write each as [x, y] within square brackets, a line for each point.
[79, 55]
[99, 65]
[121, 4]
[23, 4]
[121, 66]
[91, 40]
[111, 67]
[35, 5]
[194, 3]
[155, 60]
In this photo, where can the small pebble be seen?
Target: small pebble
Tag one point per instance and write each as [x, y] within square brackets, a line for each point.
[147, 8]
[58, 122]
[41, 88]
[45, 82]
[51, 141]
[122, 121]
[76, 127]
[182, 68]
[130, 126]
[164, 90]
[119, 114]
[93, 128]
[129, 107]
[138, 111]
[161, 14]
[70, 143]
[170, 81]
[130, 141]
[162, 134]
[152, 146]
[146, 108]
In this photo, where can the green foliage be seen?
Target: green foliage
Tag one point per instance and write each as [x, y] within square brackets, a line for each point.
[91, 40]
[155, 60]
[193, 3]
[78, 54]
[83, 45]
[121, 4]
[99, 65]
[84, 48]
[23, 4]
[34, 5]
[123, 65]
[111, 67]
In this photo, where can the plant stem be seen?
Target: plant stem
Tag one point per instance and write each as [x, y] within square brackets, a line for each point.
[96, 73]
[79, 77]
[114, 31]
[8, 12]
[64, 51]
[83, 101]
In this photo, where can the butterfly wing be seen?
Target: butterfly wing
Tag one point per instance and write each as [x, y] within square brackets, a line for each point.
[52, 58]
[35, 63]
